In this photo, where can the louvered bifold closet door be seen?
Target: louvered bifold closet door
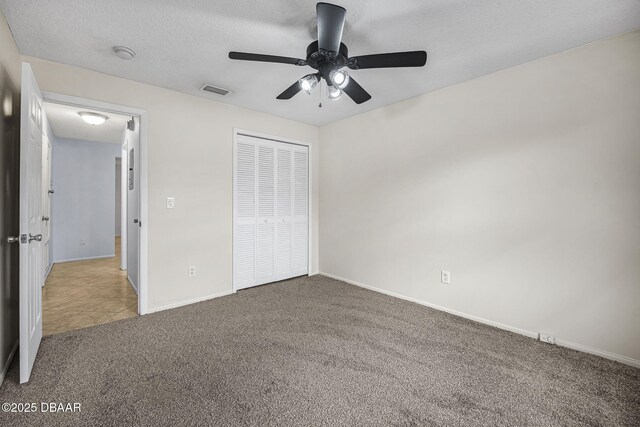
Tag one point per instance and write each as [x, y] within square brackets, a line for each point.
[271, 212]
[300, 214]
[284, 209]
[244, 235]
[266, 231]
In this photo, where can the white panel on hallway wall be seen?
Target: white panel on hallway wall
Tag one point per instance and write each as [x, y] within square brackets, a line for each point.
[84, 208]
[47, 259]
[132, 141]
[118, 200]
[271, 215]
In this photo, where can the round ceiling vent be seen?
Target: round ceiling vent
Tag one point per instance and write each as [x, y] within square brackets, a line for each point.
[124, 52]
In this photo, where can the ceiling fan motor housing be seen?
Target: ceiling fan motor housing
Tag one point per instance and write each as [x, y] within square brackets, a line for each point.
[325, 61]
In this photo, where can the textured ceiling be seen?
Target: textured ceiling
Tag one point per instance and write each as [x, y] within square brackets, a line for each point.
[183, 44]
[66, 123]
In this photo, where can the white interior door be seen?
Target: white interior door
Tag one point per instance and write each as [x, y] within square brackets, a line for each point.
[31, 277]
[271, 215]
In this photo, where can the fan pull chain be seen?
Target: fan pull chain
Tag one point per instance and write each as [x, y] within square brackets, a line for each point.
[320, 94]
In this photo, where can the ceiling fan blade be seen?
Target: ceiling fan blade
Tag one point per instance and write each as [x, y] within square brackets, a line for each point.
[330, 26]
[356, 92]
[415, 58]
[243, 56]
[290, 91]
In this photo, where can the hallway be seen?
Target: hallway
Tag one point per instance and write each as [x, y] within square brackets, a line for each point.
[87, 293]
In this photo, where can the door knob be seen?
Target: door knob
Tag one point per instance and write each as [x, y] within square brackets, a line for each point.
[37, 237]
[13, 239]
[45, 218]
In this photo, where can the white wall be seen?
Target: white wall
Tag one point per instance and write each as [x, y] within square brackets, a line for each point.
[525, 184]
[84, 208]
[190, 158]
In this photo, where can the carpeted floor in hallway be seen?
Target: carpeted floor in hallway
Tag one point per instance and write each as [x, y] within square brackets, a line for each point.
[315, 351]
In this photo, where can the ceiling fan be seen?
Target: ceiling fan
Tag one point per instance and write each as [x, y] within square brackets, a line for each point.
[328, 55]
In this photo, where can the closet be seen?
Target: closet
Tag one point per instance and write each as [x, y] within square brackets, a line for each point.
[270, 210]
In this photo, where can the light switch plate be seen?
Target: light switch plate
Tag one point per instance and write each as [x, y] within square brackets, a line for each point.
[171, 202]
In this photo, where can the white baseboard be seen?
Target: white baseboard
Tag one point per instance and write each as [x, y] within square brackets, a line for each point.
[7, 363]
[191, 301]
[46, 273]
[602, 353]
[132, 285]
[530, 334]
[60, 261]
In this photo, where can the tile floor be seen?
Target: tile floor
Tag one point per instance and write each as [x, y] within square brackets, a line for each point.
[86, 293]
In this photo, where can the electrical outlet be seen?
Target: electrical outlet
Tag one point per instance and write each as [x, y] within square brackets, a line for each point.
[83, 242]
[171, 202]
[192, 271]
[445, 277]
[548, 338]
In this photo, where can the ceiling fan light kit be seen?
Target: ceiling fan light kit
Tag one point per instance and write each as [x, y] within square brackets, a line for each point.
[308, 82]
[339, 78]
[329, 56]
[333, 92]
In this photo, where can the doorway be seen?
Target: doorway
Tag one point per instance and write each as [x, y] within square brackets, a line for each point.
[85, 284]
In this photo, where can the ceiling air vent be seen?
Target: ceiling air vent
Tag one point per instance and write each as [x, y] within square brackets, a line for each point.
[214, 89]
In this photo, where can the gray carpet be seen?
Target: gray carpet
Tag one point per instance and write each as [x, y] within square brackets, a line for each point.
[316, 351]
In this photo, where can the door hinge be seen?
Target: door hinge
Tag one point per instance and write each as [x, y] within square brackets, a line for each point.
[23, 238]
